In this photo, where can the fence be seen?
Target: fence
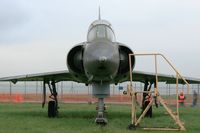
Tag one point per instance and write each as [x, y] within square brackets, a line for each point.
[76, 92]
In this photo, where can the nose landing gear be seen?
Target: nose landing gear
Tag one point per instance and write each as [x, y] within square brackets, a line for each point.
[101, 120]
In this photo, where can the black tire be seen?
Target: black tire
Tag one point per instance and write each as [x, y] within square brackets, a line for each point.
[52, 109]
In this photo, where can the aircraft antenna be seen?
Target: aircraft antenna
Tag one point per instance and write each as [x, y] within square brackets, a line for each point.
[99, 13]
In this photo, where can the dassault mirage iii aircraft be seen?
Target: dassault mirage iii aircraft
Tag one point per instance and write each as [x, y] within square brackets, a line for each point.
[99, 62]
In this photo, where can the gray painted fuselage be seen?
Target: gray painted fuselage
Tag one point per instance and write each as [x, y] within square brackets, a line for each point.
[101, 55]
[101, 60]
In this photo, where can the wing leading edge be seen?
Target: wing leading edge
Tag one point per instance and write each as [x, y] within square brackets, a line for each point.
[64, 75]
[48, 76]
[141, 76]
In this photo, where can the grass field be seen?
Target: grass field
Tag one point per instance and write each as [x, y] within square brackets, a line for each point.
[79, 118]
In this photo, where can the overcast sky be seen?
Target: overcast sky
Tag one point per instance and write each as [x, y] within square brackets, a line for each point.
[35, 35]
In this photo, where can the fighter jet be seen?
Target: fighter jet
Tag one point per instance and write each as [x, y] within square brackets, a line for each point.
[99, 62]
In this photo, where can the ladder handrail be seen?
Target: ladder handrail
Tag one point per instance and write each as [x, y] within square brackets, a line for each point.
[169, 63]
[132, 91]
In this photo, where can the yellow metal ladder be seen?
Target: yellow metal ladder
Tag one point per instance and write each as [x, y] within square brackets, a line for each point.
[131, 91]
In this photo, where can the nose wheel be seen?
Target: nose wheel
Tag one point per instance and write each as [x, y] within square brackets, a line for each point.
[101, 121]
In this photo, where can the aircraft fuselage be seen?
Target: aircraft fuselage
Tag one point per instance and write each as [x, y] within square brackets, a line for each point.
[101, 58]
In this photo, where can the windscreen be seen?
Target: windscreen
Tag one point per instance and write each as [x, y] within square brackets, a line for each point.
[99, 32]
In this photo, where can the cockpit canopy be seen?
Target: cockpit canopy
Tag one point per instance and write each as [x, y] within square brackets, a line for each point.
[100, 29]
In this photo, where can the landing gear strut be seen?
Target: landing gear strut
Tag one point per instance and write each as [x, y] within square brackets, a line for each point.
[145, 100]
[53, 104]
[101, 91]
[101, 113]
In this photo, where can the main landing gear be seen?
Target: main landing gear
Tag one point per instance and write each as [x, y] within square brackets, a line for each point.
[99, 90]
[53, 104]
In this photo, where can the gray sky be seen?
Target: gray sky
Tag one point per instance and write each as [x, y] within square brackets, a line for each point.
[35, 35]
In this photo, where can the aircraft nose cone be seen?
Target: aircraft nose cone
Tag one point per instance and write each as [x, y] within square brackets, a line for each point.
[102, 59]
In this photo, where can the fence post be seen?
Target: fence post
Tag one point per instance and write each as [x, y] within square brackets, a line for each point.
[10, 88]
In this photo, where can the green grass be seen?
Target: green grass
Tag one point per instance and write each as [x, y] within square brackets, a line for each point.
[79, 118]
